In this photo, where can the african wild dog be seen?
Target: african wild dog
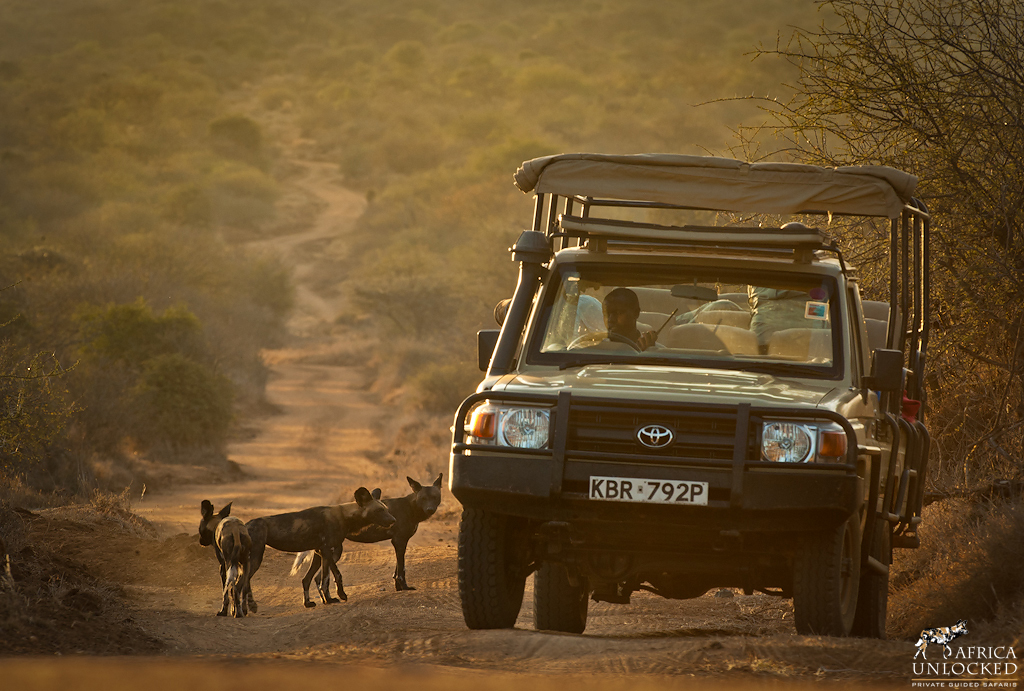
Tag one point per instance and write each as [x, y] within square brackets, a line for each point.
[232, 539]
[409, 511]
[321, 528]
[943, 635]
[209, 534]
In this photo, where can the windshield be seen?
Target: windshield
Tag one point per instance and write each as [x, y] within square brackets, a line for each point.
[775, 323]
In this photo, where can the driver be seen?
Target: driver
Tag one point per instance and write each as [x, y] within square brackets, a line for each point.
[621, 310]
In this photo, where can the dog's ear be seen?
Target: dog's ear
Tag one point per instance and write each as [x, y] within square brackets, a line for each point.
[376, 493]
[416, 487]
[206, 508]
[437, 482]
[226, 511]
[363, 496]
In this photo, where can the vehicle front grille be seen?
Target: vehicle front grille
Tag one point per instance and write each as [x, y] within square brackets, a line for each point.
[707, 433]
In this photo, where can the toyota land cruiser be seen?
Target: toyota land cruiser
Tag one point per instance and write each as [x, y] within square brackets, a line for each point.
[673, 406]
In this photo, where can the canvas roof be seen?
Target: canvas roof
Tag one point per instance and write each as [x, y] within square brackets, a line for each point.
[721, 183]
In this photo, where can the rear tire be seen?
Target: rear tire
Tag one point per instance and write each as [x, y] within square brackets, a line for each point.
[492, 569]
[873, 598]
[826, 578]
[557, 604]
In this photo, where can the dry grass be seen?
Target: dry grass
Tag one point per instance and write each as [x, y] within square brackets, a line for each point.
[968, 567]
[50, 603]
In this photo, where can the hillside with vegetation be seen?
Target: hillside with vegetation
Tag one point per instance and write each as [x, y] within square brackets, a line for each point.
[135, 160]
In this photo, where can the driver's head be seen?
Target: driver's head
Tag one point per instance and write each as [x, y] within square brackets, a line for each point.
[621, 310]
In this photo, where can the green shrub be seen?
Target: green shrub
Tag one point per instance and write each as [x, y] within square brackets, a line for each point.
[269, 285]
[188, 205]
[36, 408]
[508, 155]
[132, 334]
[123, 218]
[547, 77]
[440, 388]
[458, 32]
[410, 154]
[237, 132]
[407, 54]
[243, 181]
[182, 403]
[84, 129]
[241, 196]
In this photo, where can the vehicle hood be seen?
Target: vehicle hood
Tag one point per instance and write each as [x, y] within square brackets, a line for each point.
[672, 384]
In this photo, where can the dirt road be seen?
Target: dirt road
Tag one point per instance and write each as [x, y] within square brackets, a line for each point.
[328, 440]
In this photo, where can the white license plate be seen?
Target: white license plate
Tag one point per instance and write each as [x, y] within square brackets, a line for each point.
[646, 491]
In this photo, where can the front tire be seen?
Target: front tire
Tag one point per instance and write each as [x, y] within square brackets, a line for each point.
[873, 598]
[492, 569]
[826, 579]
[557, 604]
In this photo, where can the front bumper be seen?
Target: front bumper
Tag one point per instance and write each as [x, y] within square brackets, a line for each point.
[745, 494]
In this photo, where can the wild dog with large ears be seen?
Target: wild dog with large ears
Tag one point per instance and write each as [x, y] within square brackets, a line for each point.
[233, 542]
[321, 528]
[208, 525]
[409, 511]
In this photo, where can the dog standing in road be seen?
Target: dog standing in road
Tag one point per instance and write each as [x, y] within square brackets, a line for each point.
[321, 528]
[232, 546]
[409, 511]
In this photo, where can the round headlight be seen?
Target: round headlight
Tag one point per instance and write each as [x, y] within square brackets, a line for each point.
[526, 428]
[785, 442]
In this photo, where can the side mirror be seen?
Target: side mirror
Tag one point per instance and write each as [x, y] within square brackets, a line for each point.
[886, 371]
[501, 311]
[486, 340]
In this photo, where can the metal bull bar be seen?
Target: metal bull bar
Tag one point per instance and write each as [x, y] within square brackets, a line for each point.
[559, 433]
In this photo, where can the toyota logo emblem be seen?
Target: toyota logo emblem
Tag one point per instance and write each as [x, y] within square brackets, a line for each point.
[655, 436]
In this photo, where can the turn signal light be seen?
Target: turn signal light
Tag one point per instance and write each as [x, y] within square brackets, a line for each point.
[833, 445]
[482, 424]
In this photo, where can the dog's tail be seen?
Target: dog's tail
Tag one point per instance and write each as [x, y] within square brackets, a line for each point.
[301, 559]
[231, 578]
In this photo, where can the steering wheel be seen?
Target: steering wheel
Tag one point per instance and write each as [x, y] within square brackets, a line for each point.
[595, 337]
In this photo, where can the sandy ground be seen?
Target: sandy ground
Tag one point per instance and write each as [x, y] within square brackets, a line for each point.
[326, 441]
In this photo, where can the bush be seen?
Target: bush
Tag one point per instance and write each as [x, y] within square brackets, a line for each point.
[968, 567]
[188, 205]
[407, 54]
[237, 134]
[182, 403]
[440, 388]
[35, 412]
[132, 334]
[83, 129]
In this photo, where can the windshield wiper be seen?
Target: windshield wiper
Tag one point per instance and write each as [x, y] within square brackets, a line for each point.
[671, 362]
[790, 369]
[583, 363]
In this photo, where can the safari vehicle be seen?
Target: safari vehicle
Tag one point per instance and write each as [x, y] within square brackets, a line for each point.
[766, 440]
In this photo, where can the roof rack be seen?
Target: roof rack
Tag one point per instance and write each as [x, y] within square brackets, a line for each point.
[798, 238]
